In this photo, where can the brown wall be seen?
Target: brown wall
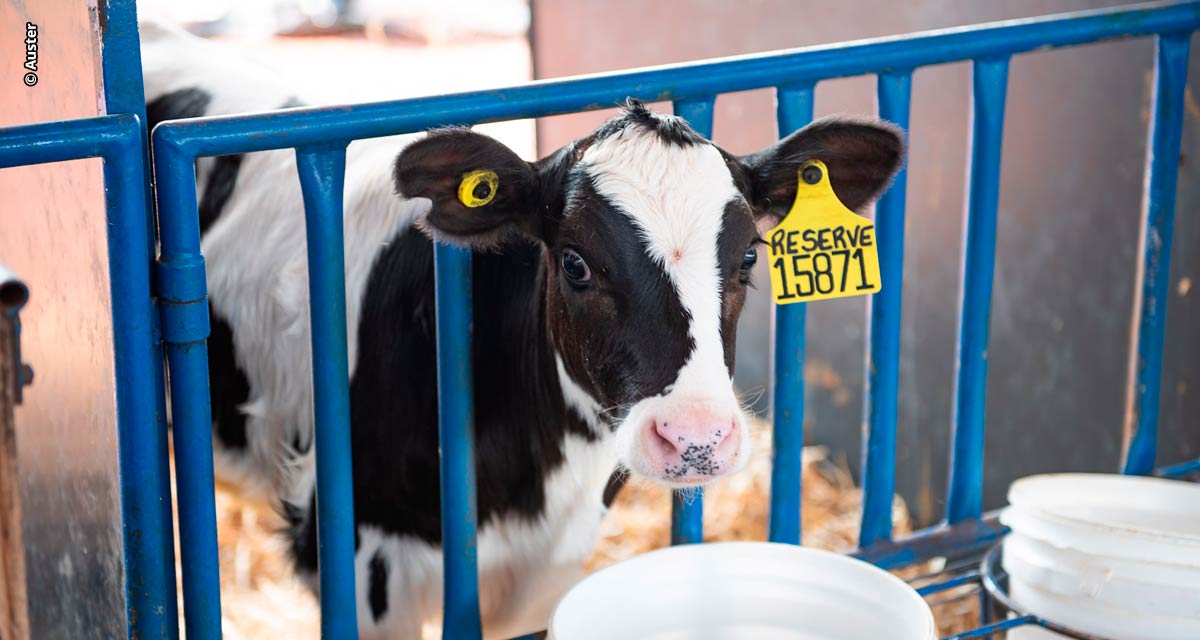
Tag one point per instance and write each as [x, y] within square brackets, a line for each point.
[52, 233]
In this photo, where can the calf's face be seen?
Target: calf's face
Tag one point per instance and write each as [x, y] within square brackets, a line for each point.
[650, 233]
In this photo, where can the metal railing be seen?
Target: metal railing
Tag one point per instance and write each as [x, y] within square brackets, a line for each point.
[320, 137]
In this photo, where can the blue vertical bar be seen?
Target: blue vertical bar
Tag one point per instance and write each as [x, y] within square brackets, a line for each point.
[793, 110]
[150, 600]
[322, 174]
[151, 610]
[456, 435]
[894, 90]
[965, 498]
[183, 308]
[687, 507]
[1162, 168]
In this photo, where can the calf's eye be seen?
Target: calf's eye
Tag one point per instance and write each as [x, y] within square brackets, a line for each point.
[574, 267]
[748, 262]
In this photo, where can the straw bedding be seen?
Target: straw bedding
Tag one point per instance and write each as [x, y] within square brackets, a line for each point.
[262, 599]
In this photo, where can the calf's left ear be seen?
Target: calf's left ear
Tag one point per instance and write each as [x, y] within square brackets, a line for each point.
[862, 155]
[481, 191]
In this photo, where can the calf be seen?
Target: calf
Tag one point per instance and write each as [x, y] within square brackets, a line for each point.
[608, 280]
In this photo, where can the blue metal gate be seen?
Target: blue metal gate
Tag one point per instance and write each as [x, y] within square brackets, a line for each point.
[320, 136]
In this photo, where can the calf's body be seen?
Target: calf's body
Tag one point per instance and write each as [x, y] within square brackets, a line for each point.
[608, 279]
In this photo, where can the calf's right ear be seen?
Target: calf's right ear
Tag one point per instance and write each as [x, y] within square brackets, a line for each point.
[480, 190]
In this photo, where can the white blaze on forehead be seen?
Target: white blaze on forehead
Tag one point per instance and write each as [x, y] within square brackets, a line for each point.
[676, 195]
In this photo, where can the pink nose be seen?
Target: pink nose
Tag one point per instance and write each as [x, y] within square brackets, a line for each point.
[692, 446]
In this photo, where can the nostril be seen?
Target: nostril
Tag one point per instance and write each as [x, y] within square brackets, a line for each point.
[661, 436]
[727, 438]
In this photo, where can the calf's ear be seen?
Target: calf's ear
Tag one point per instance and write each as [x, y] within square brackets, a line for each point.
[862, 155]
[480, 190]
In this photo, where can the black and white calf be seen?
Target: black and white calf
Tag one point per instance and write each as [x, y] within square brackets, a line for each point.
[608, 280]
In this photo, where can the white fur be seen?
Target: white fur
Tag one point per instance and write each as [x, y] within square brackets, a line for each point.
[257, 258]
[258, 281]
[525, 566]
[676, 195]
[578, 399]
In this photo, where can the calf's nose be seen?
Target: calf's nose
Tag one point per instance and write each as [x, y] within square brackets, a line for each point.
[692, 445]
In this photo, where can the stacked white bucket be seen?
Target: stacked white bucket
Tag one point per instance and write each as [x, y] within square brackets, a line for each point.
[1114, 556]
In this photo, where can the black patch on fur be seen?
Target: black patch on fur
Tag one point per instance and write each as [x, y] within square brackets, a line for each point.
[738, 233]
[299, 444]
[227, 383]
[520, 421]
[670, 129]
[302, 531]
[184, 103]
[377, 595]
[616, 482]
[218, 188]
[628, 324]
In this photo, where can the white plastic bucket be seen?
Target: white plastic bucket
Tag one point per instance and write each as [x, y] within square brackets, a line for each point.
[1116, 556]
[1089, 616]
[1147, 587]
[742, 591]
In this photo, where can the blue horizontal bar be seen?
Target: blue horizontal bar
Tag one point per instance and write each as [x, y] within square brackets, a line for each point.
[322, 176]
[882, 366]
[65, 140]
[456, 435]
[298, 127]
[687, 509]
[965, 499]
[971, 577]
[793, 110]
[1158, 224]
[992, 629]
[1178, 470]
[933, 542]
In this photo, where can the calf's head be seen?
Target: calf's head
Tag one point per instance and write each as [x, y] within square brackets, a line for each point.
[650, 234]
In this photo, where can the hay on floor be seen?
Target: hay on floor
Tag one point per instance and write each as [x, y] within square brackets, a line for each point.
[261, 598]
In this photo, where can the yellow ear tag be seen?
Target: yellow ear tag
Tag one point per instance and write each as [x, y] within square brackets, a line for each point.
[821, 249]
[478, 188]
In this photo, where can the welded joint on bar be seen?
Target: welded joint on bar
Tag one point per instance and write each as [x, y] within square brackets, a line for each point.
[182, 294]
[181, 278]
[320, 148]
[1177, 35]
[897, 72]
[797, 87]
[996, 58]
[696, 102]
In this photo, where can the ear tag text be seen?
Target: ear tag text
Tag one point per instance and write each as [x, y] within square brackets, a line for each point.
[821, 249]
[478, 188]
